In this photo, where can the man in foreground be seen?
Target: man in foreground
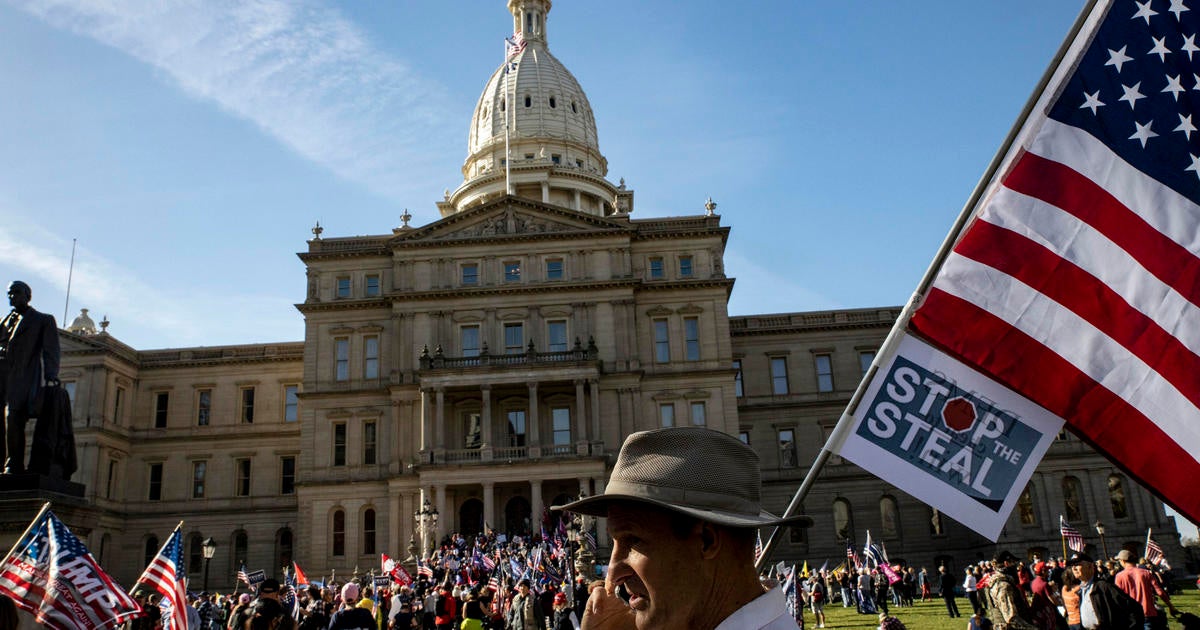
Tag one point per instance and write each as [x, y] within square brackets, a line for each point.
[1103, 606]
[683, 507]
[1141, 585]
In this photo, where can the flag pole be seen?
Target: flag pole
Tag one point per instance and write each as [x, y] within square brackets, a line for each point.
[45, 506]
[892, 342]
[1146, 549]
[70, 276]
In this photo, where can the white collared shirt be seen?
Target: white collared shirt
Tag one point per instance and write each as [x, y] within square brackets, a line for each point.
[766, 612]
[1087, 614]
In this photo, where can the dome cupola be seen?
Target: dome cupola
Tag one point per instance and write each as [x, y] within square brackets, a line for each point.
[533, 133]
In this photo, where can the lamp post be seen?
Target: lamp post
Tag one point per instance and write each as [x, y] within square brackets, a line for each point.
[1103, 547]
[427, 518]
[209, 548]
[577, 529]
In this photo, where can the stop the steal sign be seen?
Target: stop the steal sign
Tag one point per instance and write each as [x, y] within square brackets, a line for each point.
[949, 436]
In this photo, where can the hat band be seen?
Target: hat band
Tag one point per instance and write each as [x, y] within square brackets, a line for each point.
[686, 498]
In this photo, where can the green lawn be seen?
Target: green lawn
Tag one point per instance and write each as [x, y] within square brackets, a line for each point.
[931, 615]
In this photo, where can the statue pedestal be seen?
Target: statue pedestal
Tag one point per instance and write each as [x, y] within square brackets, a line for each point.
[33, 485]
[22, 496]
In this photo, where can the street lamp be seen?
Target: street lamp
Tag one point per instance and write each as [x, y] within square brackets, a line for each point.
[209, 547]
[427, 518]
[577, 530]
[1100, 530]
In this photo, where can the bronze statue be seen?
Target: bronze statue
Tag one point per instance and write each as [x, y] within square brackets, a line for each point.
[29, 357]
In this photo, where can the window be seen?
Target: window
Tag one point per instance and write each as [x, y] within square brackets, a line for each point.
[514, 338]
[341, 359]
[744, 437]
[469, 340]
[161, 402]
[662, 342]
[554, 269]
[556, 332]
[243, 478]
[685, 267]
[339, 444]
[864, 361]
[798, 535]
[656, 268]
[156, 476]
[889, 516]
[118, 404]
[1116, 496]
[574, 109]
[369, 443]
[512, 272]
[554, 157]
[199, 472]
[70, 387]
[112, 478]
[666, 415]
[291, 403]
[1027, 513]
[203, 407]
[371, 357]
[151, 550]
[843, 520]
[737, 379]
[248, 405]
[1071, 500]
[470, 273]
[936, 528]
[561, 417]
[195, 553]
[691, 338]
[779, 379]
[368, 533]
[240, 544]
[372, 285]
[287, 475]
[339, 533]
[528, 101]
[472, 431]
[824, 366]
[787, 448]
[516, 427]
[552, 102]
[699, 416]
[343, 287]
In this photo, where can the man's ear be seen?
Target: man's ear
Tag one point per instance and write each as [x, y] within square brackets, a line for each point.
[711, 540]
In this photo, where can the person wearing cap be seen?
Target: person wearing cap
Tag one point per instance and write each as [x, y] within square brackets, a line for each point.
[1012, 611]
[1101, 604]
[683, 507]
[564, 616]
[351, 617]
[1142, 586]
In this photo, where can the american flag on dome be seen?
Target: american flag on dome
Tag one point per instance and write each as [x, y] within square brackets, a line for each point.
[1073, 537]
[514, 45]
[166, 576]
[50, 574]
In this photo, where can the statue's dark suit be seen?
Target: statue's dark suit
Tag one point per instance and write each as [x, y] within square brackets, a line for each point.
[30, 358]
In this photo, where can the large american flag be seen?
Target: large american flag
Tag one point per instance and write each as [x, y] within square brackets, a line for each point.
[51, 574]
[1071, 535]
[1077, 282]
[166, 575]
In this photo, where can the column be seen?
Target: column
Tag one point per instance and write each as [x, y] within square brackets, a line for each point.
[395, 522]
[535, 449]
[489, 503]
[535, 504]
[443, 517]
[577, 205]
[440, 417]
[580, 419]
[595, 388]
[546, 192]
[426, 421]
[485, 420]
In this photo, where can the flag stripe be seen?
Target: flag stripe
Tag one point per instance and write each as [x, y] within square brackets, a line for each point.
[1109, 364]
[1076, 241]
[1065, 188]
[1081, 293]
[1107, 421]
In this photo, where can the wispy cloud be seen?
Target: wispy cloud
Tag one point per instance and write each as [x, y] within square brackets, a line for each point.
[761, 290]
[303, 73]
[147, 315]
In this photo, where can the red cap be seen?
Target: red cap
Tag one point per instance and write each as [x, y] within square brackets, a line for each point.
[560, 598]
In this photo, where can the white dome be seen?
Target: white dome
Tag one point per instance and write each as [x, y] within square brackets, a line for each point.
[553, 152]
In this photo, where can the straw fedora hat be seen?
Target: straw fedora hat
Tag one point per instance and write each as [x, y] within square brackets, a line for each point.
[696, 471]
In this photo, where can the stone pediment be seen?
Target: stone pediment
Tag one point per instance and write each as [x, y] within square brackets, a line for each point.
[510, 218]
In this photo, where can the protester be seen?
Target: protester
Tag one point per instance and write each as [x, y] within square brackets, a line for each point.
[1102, 604]
[979, 620]
[524, 613]
[946, 584]
[1070, 595]
[1043, 603]
[1012, 611]
[564, 616]
[350, 616]
[817, 596]
[683, 505]
[969, 584]
[1142, 586]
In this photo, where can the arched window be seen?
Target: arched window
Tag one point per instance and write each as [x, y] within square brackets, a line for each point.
[240, 546]
[528, 101]
[553, 103]
[339, 533]
[936, 526]
[889, 516]
[195, 556]
[151, 550]
[368, 532]
[1025, 510]
[1071, 501]
[843, 520]
[283, 548]
[1116, 496]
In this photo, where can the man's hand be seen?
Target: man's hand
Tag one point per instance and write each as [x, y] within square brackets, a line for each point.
[605, 611]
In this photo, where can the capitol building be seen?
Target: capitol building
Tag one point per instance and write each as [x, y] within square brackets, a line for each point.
[489, 365]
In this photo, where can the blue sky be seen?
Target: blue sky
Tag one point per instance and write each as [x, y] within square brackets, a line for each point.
[190, 146]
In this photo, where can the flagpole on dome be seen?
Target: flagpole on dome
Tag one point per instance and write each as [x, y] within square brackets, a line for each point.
[892, 342]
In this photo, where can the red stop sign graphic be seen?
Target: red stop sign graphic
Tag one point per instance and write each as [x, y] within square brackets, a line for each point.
[958, 414]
